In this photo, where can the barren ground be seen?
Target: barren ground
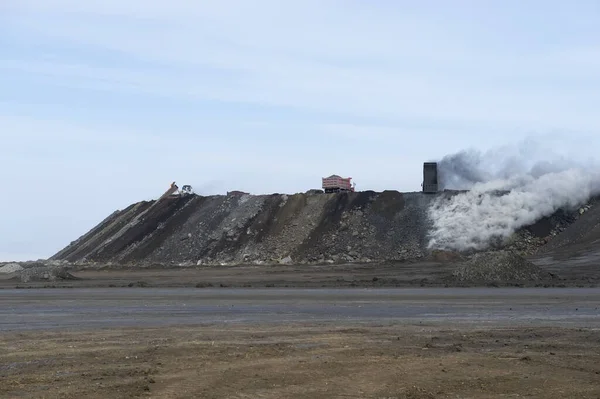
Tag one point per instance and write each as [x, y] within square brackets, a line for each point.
[303, 361]
[580, 271]
[394, 343]
[408, 274]
[83, 342]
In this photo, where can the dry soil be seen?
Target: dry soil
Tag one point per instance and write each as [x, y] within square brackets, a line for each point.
[303, 361]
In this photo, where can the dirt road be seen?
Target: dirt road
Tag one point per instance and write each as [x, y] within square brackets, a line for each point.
[271, 343]
[134, 307]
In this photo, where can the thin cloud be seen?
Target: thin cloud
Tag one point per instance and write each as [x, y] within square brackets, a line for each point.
[315, 68]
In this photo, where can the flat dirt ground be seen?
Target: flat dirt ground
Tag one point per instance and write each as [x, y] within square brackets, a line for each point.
[302, 361]
[405, 274]
[393, 274]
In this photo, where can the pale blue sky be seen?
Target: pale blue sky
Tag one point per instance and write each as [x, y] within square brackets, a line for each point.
[104, 103]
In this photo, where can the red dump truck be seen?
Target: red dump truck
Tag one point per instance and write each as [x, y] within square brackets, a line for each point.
[336, 184]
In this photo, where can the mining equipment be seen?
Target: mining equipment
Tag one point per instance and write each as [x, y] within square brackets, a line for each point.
[336, 184]
[175, 191]
[430, 177]
[186, 190]
[172, 190]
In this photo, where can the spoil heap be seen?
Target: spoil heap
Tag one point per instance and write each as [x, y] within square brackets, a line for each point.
[10, 268]
[36, 271]
[499, 267]
[241, 228]
[45, 273]
[309, 228]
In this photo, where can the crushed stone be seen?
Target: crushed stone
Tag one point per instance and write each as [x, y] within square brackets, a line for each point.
[11, 268]
[305, 228]
[499, 266]
[45, 273]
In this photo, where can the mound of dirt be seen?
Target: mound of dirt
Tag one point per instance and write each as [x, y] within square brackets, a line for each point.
[583, 233]
[314, 228]
[45, 273]
[499, 267]
[10, 268]
[260, 229]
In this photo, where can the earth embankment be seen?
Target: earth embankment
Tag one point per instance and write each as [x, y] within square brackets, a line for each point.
[362, 228]
[301, 228]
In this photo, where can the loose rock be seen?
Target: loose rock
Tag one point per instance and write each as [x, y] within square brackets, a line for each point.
[11, 268]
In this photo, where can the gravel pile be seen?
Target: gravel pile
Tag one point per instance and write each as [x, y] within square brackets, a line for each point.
[11, 268]
[45, 273]
[499, 267]
[306, 228]
[583, 231]
[211, 230]
[310, 227]
[370, 227]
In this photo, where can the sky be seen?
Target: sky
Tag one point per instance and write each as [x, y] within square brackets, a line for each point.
[105, 103]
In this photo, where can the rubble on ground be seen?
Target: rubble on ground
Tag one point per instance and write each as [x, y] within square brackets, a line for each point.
[39, 270]
[10, 268]
[306, 228]
[499, 266]
[583, 231]
[45, 273]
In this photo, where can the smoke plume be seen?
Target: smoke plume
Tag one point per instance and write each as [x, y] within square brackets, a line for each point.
[509, 188]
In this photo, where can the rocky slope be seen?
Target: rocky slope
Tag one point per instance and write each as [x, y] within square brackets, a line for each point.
[301, 228]
[238, 228]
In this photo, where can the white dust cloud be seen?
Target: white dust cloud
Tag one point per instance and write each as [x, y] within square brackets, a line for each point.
[509, 188]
